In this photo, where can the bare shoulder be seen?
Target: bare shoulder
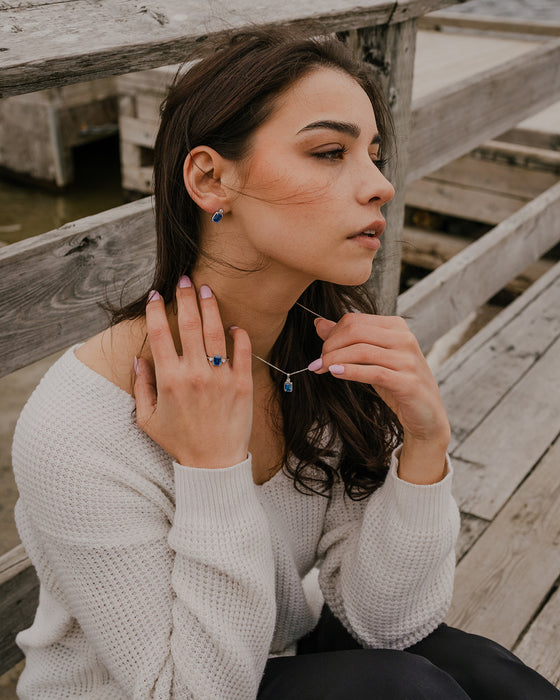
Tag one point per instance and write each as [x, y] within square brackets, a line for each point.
[111, 353]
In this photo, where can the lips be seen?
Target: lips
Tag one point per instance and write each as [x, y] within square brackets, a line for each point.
[372, 230]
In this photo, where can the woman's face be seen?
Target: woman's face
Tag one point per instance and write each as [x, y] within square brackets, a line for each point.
[311, 184]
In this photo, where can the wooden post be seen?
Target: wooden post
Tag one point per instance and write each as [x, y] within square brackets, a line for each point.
[390, 50]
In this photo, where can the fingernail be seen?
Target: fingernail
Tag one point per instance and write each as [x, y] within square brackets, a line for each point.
[135, 365]
[336, 369]
[153, 296]
[205, 292]
[315, 321]
[184, 282]
[232, 328]
[316, 364]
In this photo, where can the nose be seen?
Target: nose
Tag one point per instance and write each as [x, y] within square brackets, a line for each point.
[375, 186]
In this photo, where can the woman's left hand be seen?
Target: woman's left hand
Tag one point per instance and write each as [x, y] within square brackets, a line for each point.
[383, 352]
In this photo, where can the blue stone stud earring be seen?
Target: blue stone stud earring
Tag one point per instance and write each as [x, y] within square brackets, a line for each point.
[217, 216]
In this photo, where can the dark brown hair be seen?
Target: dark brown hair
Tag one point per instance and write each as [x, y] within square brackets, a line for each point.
[220, 102]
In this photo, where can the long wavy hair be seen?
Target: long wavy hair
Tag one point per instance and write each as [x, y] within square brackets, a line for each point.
[220, 102]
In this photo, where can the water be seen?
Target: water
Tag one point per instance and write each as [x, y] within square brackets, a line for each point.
[27, 210]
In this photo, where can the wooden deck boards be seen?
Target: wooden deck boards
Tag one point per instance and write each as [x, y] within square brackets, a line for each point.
[502, 392]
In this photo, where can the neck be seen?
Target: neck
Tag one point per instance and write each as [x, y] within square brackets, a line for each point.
[257, 303]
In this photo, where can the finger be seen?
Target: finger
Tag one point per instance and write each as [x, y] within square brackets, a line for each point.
[145, 392]
[159, 335]
[241, 353]
[323, 327]
[367, 354]
[189, 321]
[363, 329]
[375, 375]
[212, 326]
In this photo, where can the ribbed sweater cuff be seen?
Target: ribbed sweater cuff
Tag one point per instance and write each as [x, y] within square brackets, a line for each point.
[214, 496]
[421, 507]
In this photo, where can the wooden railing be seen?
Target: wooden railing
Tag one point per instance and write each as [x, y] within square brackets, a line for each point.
[50, 285]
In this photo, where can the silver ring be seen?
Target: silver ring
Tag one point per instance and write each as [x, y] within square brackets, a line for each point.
[216, 360]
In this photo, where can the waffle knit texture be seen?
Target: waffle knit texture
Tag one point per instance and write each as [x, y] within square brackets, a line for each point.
[164, 581]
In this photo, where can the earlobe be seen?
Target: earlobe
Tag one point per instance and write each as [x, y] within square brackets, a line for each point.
[202, 171]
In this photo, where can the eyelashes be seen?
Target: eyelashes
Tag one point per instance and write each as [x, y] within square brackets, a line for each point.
[335, 154]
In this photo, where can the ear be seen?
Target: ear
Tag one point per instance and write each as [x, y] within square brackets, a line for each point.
[202, 174]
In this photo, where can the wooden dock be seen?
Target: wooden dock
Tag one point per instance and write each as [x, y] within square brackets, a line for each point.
[502, 389]
[502, 393]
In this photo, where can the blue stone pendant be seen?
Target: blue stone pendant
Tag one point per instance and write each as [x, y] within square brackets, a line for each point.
[288, 386]
[217, 216]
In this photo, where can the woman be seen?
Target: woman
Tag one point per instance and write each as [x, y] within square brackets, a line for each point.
[178, 480]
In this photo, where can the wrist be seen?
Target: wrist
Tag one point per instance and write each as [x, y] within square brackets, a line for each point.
[423, 462]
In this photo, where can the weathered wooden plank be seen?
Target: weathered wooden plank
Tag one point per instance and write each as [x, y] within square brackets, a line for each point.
[442, 299]
[57, 44]
[495, 366]
[444, 59]
[471, 529]
[539, 645]
[438, 195]
[505, 317]
[51, 285]
[510, 570]
[390, 52]
[430, 249]
[497, 100]
[505, 445]
[19, 593]
[506, 25]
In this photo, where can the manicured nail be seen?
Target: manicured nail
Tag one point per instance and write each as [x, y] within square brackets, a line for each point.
[184, 282]
[135, 365]
[336, 369]
[153, 296]
[316, 364]
[205, 292]
[233, 328]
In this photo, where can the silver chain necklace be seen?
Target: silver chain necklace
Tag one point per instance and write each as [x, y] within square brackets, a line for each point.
[288, 384]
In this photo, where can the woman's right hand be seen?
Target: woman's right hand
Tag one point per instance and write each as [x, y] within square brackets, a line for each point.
[199, 414]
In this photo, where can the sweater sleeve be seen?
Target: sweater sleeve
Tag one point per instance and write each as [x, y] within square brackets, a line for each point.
[388, 562]
[173, 602]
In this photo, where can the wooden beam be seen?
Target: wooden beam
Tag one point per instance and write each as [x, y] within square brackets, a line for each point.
[51, 285]
[442, 299]
[390, 52]
[483, 23]
[19, 594]
[125, 38]
[481, 107]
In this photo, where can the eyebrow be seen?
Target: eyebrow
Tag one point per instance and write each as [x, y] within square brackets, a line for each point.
[352, 130]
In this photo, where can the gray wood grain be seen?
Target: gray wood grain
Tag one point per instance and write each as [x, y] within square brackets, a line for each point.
[390, 51]
[438, 302]
[51, 285]
[46, 45]
[513, 566]
[452, 121]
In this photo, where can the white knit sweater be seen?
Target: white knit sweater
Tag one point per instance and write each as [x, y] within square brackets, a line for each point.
[163, 581]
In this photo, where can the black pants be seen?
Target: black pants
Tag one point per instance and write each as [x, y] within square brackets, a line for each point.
[446, 665]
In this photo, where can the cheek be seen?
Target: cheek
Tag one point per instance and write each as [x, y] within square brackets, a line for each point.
[288, 183]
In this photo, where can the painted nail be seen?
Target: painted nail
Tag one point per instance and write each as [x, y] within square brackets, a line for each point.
[336, 369]
[184, 282]
[233, 328]
[316, 364]
[153, 296]
[205, 292]
[135, 365]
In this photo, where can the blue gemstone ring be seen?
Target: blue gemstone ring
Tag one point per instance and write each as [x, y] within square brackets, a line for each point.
[216, 360]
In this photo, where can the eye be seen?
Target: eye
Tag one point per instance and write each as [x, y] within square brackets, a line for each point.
[332, 154]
